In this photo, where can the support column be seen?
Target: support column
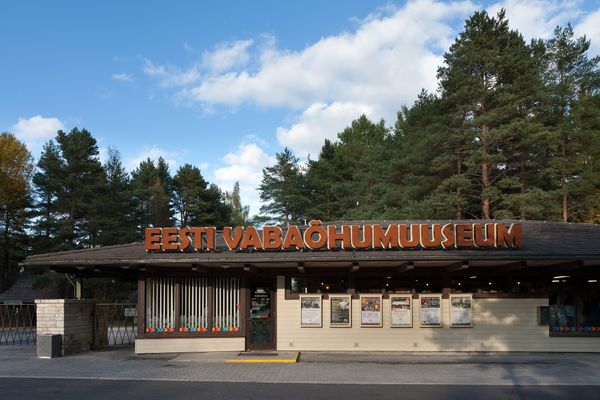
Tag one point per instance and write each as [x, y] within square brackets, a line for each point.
[73, 319]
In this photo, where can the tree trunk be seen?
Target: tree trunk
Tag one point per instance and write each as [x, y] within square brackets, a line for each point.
[5, 254]
[485, 171]
[458, 191]
[523, 187]
[565, 195]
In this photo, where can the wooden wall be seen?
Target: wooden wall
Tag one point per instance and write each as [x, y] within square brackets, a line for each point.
[188, 345]
[498, 325]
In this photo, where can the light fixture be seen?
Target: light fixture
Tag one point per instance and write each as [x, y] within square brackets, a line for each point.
[490, 283]
[459, 283]
[473, 277]
[555, 281]
[518, 283]
[388, 277]
[592, 280]
[562, 276]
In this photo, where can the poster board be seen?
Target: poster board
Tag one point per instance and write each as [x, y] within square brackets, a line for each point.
[461, 310]
[340, 311]
[401, 311]
[310, 311]
[430, 310]
[370, 311]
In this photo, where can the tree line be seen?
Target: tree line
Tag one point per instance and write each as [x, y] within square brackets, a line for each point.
[70, 200]
[512, 132]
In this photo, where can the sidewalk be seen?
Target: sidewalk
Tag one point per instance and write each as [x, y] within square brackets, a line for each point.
[314, 367]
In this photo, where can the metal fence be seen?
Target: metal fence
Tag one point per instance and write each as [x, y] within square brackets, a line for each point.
[17, 324]
[115, 324]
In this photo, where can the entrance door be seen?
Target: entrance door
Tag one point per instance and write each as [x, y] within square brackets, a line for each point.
[261, 317]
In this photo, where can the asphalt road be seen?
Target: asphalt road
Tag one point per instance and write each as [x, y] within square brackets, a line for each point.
[91, 389]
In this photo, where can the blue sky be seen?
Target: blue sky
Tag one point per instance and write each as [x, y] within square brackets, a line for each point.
[225, 85]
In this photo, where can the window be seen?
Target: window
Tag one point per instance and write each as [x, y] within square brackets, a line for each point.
[563, 315]
[204, 304]
[574, 305]
[318, 284]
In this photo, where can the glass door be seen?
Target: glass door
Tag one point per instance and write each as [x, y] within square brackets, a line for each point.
[261, 318]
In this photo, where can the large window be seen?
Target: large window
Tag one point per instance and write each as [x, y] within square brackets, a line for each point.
[192, 304]
[574, 305]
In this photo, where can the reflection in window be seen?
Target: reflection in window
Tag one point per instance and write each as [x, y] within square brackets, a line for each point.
[478, 283]
[590, 306]
[318, 285]
[563, 315]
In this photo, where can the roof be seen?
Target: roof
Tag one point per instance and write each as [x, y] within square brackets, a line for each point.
[27, 288]
[542, 241]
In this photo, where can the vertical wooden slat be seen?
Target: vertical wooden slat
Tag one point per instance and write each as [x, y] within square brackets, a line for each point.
[141, 306]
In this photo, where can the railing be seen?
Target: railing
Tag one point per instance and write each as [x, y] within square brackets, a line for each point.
[17, 324]
[115, 324]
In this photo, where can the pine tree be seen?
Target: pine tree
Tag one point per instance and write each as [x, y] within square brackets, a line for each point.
[82, 180]
[282, 189]
[484, 79]
[152, 190]
[573, 84]
[116, 218]
[239, 213]
[47, 183]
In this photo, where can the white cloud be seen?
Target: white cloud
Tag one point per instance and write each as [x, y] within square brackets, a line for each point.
[375, 69]
[318, 122]
[171, 76]
[154, 152]
[537, 18]
[245, 166]
[227, 56]
[386, 60]
[122, 77]
[590, 27]
[37, 130]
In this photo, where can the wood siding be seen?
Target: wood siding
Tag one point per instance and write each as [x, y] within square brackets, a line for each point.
[188, 345]
[498, 325]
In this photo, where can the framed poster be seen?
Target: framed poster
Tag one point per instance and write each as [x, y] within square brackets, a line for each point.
[340, 314]
[431, 310]
[370, 311]
[461, 310]
[401, 311]
[310, 311]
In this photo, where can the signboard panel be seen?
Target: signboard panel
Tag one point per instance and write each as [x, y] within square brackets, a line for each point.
[401, 311]
[340, 314]
[370, 311]
[430, 310]
[310, 311]
[461, 310]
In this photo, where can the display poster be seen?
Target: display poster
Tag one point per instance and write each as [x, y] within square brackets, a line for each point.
[461, 310]
[431, 310]
[341, 311]
[401, 311]
[310, 311]
[370, 311]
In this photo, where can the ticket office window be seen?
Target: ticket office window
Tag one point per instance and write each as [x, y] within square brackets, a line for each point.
[574, 305]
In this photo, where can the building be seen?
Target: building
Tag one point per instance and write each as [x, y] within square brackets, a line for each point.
[359, 286]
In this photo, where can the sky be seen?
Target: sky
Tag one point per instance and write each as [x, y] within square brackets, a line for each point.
[226, 85]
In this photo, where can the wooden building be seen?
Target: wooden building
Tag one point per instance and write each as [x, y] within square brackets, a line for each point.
[364, 286]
